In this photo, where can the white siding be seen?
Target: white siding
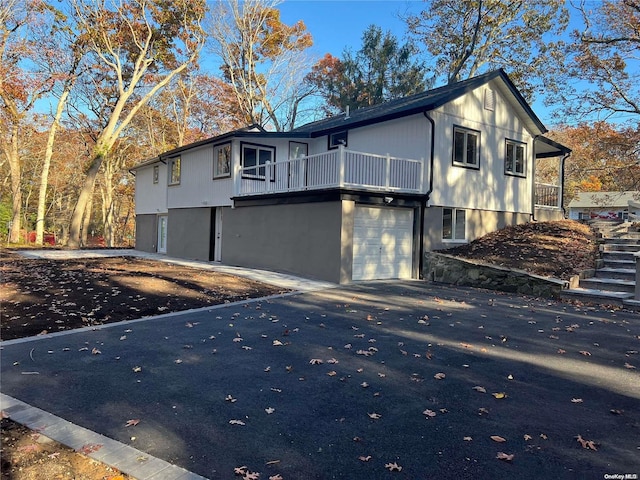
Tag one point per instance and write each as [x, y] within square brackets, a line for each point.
[487, 188]
[151, 198]
[197, 187]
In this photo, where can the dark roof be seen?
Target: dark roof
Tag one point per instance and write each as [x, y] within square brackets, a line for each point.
[418, 103]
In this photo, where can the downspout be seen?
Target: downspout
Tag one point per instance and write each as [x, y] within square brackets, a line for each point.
[427, 195]
[533, 180]
[564, 158]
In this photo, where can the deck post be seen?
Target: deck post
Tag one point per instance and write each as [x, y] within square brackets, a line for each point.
[387, 174]
[341, 165]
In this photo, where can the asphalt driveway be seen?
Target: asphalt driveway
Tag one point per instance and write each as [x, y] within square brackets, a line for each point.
[353, 382]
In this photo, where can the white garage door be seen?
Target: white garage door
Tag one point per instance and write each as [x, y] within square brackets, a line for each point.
[382, 243]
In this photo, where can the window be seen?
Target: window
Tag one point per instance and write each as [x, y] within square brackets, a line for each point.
[466, 147]
[298, 150]
[174, 170]
[255, 156]
[222, 160]
[514, 158]
[337, 139]
[454, 224]
[156, 173]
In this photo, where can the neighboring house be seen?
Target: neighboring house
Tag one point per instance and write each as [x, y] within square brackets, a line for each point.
[361, 195]
[605, 205]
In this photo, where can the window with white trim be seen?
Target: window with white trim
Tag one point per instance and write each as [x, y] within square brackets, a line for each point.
[222, 160]
[454, 224]
[174, 171]
[257, 156]
[514, 159]
[466, 147]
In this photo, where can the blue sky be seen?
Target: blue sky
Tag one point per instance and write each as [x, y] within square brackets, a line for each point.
[337, 24]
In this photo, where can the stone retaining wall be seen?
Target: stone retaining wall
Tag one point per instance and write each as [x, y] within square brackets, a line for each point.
[439, 267]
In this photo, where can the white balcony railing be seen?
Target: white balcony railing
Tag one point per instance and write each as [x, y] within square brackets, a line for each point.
[547, 195]
[339, 168]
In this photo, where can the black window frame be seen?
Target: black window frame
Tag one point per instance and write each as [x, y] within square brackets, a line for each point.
[334, 140]
[513, 171]
[467, 132]
[258, 166]
[171, 162]
[216, 174]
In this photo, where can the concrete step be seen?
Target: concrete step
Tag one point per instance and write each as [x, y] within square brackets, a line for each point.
[603, 297]
[613, 263]
[620, 273]
[618, 255]
[620, 247]
[626, 237]
[609, 284]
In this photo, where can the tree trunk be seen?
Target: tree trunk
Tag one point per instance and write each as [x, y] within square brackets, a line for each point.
[46, 163]
[16, 186]
[86, 192]
[86, 222]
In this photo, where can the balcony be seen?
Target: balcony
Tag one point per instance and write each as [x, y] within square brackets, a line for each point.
[340, 168]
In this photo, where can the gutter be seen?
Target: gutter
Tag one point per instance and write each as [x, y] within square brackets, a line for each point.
[427, 195]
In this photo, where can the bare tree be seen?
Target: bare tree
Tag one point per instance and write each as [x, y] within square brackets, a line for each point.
[262, 60]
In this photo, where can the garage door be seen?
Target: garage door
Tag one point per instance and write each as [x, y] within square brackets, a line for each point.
[382, 243]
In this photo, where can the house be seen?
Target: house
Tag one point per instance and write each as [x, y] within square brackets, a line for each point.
[605, 205]
[361, 195]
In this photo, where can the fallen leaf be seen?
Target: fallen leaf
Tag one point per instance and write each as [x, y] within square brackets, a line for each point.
[561, 351]
[4, 414]
[332, 373]
[527, 437]
[230, 398]
[616, 412]
[543, 436]
[382, 375]
[240, 470]
[89, 448]
[236, 422]
[277, 476]
[576, 400]
[374, 416]
[585, 353]
[505, 456]
[499, 395]
[315, 361]
[429, 413]
[483, 411]
[269, 410]
[480, 389]
[277, 343]
[332, 361]
[132, 423]
[629, 366]
[586, 444]
[362, 458]
[497, 438]
[393, 467]
[364, 384]
[95, 351]
[467, 439]
[137, 369]
[439, 376]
